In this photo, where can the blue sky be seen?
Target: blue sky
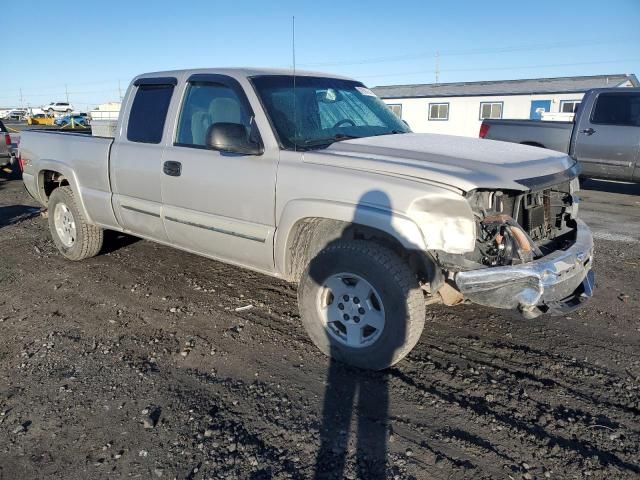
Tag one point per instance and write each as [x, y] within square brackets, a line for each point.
[91, 46]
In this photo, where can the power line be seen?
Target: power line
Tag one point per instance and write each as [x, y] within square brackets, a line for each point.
[416, 72]
[116, 90]
[434, 54]
[67, 92]
[59, 87]
[476, 51]
[58, 92]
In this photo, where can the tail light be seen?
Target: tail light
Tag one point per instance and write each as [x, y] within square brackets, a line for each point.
[7, 139]
[484, 129]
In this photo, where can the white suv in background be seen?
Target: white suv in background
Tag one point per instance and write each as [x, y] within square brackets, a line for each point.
[58, 107]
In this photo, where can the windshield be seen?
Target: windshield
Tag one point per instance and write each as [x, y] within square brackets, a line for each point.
[323, 110]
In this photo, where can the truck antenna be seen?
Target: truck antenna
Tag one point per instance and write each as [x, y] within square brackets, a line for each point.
[293, 55]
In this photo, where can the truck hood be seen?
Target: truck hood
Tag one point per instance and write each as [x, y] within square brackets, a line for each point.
[460, 162]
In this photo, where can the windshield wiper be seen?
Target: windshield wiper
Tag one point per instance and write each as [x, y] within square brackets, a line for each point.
[392, 132]
[317, 142]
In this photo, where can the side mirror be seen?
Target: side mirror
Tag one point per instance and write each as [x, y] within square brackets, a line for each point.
[232, 138]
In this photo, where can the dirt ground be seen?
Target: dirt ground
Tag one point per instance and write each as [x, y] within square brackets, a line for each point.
[136, 364]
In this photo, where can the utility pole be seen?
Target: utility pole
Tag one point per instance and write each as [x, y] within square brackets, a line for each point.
[21, 99]
[437, 67]
[119, 91]
[66, 92]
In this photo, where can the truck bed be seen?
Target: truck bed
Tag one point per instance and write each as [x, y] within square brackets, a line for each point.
[547, 134]
[63, 152]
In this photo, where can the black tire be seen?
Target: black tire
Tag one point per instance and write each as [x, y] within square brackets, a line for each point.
[89, 238]
[399, 292]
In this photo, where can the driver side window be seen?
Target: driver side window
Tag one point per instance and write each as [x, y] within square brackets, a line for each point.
[205, 104]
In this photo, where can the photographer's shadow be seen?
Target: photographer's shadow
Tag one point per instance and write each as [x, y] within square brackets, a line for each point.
[363, 323]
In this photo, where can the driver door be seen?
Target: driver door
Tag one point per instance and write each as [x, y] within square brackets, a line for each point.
[214, 203]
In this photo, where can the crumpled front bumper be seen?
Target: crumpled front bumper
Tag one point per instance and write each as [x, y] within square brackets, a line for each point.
[557, 283]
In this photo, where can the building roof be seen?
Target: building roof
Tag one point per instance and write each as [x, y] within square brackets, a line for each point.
[506, 87]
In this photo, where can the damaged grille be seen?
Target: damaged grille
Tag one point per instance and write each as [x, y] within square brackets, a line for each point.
[541, 213]
[516, 227]
[536, 220]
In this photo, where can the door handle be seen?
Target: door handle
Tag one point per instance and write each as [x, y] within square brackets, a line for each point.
[173, 169]
[588, 131]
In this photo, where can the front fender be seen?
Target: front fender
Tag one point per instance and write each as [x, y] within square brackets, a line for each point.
[439, 220]
[398, 226]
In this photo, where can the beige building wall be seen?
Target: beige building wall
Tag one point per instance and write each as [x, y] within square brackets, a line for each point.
[464, 112]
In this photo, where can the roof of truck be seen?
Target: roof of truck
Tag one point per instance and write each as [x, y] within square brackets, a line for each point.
[241, 72]
[578, 84]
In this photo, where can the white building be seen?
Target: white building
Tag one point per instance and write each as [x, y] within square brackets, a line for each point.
[106, 111]
[458, 108]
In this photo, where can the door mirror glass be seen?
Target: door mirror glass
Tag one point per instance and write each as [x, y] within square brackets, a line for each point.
[233, 138]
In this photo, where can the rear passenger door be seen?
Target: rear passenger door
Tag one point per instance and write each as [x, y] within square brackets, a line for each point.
[136, 159]
[607, 141]
[215, 203]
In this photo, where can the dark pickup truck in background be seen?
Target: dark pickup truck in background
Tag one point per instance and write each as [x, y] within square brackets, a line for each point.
[604, 136]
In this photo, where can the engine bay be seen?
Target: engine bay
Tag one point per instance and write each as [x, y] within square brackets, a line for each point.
[517, 227]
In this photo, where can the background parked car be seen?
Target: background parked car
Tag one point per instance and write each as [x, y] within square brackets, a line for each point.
[40, 119]
[78, 120]
[58, 107]
[16, 114]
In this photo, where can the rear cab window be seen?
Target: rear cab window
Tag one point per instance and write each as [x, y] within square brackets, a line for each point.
[617, 108]
[149, 109]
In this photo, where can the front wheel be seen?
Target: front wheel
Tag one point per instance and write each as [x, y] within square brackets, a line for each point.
[75, 238]
[361, 304]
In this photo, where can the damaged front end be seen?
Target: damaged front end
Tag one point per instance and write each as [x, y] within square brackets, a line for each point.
[532, 253]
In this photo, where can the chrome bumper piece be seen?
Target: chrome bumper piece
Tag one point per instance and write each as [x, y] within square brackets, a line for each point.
[556, 283]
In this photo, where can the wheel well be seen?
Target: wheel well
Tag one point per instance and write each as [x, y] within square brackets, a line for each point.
[533, 144]
[48, 181]
[311, 235]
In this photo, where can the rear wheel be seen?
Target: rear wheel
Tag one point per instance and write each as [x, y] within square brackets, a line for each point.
[361, 304]
[74, 237]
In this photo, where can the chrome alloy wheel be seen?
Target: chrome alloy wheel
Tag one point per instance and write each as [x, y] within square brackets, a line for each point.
[351, 310]
[65, 225]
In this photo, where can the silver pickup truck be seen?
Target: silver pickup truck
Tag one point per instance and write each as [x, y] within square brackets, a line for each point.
[604, 137]
[314, 180]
